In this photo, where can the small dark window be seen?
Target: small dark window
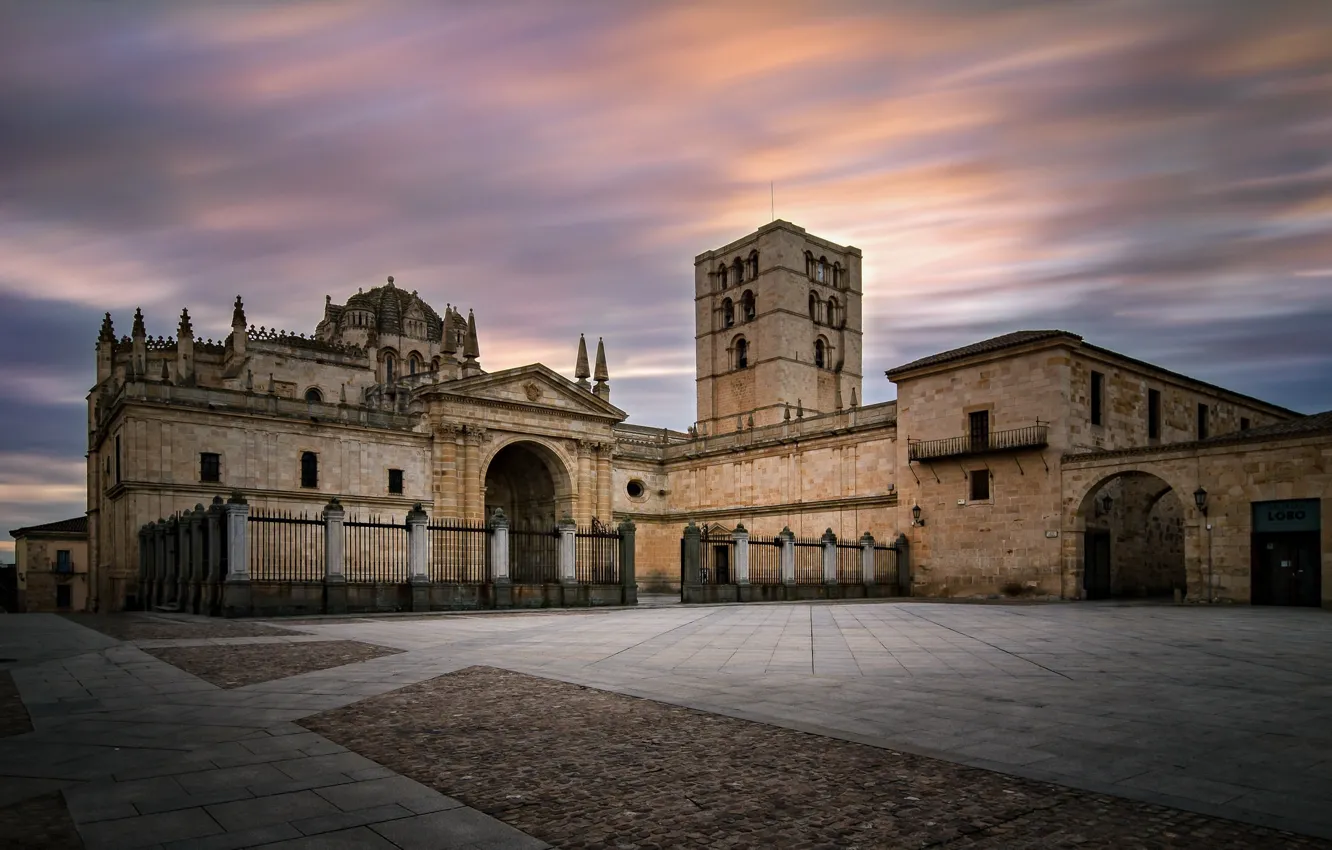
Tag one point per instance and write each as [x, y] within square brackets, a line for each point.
[388, 368]
[747, 306]
[1244, 423]
[818, 353]
[64, 563]
[1097, 393]
[980, 485]
[728, 313]
[1153, 414]
[741, 354]
[309, 469]
[414, 364]
[395, 480]
[1202, 421]
[635, 489]
[210, 467]
[314, 396]
[979, 424]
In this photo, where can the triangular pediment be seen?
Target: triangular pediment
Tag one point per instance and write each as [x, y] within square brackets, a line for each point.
[533, 386]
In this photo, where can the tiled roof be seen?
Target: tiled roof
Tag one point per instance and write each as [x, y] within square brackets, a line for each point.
[1314, 423]
[77, 525]
[983, 347]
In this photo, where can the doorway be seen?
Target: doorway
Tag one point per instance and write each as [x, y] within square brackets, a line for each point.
[1286, 567]
[1096, 569]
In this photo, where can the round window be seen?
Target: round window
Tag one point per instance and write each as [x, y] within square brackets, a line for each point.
[636, 489]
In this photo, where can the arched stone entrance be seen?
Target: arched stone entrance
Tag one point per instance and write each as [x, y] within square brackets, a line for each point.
[1133, 538]
[529, 482]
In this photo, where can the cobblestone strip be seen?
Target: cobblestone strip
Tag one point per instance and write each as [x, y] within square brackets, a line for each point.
[14, 718]
[148, 627]
[38, 823]
[238, 665]
[579, 767]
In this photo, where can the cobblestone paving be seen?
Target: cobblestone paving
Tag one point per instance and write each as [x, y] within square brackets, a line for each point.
[13, 716]
[38, 823]
[148, 627]
[579, 767]
[238, 665]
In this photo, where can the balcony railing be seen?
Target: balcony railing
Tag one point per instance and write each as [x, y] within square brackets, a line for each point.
[1030, 437]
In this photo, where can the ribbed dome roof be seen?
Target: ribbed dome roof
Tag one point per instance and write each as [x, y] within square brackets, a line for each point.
[389, 304]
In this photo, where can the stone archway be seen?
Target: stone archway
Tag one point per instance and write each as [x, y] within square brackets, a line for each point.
[529, 483]
[1134, 538]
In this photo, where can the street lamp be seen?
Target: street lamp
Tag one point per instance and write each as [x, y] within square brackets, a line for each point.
[1105, 504]
[915, 516]
[1200, 499]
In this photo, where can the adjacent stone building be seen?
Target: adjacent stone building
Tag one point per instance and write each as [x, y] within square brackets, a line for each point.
[51, 562]
[1034, 463]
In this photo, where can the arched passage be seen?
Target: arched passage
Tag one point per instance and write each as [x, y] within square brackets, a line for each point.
[1134, 538]
[529, 482]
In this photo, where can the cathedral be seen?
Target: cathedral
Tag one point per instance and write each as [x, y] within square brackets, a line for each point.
[1033, 464]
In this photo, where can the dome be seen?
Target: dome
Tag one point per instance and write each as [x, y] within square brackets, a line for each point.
[392, 306]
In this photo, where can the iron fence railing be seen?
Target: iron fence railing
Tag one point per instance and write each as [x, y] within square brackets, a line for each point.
[285, 546]
[1029, 437]
[849, 570]
[597, 556]
[765, 560]
[808, 561]
[459, 552]
[534, 555]
[375, 551]
[885, 564]
[718, 558]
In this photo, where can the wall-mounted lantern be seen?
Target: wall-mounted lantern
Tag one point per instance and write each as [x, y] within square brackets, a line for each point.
[915, 516]
[1200, 499]
[1104, 504]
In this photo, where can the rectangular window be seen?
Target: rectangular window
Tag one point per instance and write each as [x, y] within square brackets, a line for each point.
[979, 425]
[395, 480]
[1097, 391]
[980, 485]
[1202, 421]
[309, 469]
[1244, 423]
[64, 563]
[210, 467]
[1154, 414]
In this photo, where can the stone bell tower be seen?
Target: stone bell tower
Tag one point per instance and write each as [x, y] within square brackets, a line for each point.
[777, 320]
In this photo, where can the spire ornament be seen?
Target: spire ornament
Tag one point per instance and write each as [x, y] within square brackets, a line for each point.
[138, 331]
[238, 314]
[601, 375]
[471, 348]
[185, 330]
[108, 332]
[581, 370]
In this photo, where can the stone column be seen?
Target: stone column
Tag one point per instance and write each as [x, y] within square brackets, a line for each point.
[568, 552]
[741, 538]
[335, 569]
[829, 557]
[158, 595]
[213, 577]
[444, 453]
[586, 504]
[628, 572]
[236, 591]
[604, 488]
[903, 565]
[787, 555]
[418, 548]
[867, 558]
[692, 556]
[473, 510]
[171, 591]
[501, 585]
[145, 566]
[197, 565]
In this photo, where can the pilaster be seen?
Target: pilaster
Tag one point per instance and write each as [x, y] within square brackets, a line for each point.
[741, 538]
[335, 575]
[829, 557]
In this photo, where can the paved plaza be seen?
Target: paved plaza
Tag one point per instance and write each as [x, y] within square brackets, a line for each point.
[1223, 712]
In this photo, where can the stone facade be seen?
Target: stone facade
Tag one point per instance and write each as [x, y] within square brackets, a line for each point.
[52, 565]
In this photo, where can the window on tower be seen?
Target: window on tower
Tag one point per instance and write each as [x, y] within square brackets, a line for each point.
[822, 274]
[728, 313]
[820, 355]
[753, 265]
[832, 312]
[747, 306]
[721, 276]
[739, 270]
[741, 353]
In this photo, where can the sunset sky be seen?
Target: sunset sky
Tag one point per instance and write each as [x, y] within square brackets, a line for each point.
[1156, 176]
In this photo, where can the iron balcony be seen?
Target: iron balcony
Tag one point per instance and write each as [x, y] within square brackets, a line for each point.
[1029, 437]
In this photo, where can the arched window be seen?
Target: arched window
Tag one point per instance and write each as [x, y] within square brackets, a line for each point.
[832, 311]
[814, 306]
[753, 265]
[839, 276]
[739, 269]
[819, 354]
[809, 265]
[434, 365]
[721, 275]
[414, 364]
[741, 353]
[388, 368]
[822, 274]
[314, 396]
[728, 313]
[309, 469]
[747, 307]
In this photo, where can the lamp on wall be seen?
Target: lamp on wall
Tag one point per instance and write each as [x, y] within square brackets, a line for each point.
[1200, 499]
[1104, 504]
[915, 516]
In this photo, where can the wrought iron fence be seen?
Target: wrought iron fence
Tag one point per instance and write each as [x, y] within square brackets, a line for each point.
[808, 561]
[285, 546]
[849, 570]
[597, 555]
[765, 560]
[1030, 437]
[885, 564]
[534, 555]
[459, 552]
[718, 556]
[375, 551]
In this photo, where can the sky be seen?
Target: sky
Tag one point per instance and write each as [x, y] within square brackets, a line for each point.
[1154, 176]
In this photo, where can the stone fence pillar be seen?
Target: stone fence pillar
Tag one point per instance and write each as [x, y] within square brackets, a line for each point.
[216, 520]
[173, 548]
[829, 557]
[501, 581]
[145, 566]
[197, 568]
[741, 538]
[691, 555]
[335, 563]
[236, 590]
[903, 565]
[158, 594]
[628, 573]
[568, 551]
[867, 574]
[787, 555]
[418, 557]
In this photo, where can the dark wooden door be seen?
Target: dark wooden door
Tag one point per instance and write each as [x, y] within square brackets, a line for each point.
[1096, 565]
[1286, 569]
[979, 422]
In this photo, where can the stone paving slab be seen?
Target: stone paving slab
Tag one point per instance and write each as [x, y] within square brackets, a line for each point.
[580, 767]
[238, 665]
[142, 626]
[14, 718]
[38, 823]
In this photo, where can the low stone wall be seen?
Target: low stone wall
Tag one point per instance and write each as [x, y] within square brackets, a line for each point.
[708, 593]
[291, 598]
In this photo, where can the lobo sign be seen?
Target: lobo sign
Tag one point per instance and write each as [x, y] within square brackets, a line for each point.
[1296, 515]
